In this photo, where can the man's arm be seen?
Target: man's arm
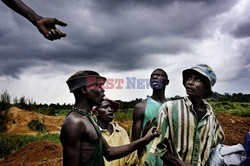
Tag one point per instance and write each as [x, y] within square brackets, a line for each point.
[138, 116]
[46, 26]
[112, 153]
[71, 140]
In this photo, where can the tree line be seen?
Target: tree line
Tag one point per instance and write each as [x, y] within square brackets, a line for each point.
[62, 109]
[235, 97]
[30, 105]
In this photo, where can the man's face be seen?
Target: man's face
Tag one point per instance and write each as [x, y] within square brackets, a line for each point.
[105, 112]
[158, 80]
[195, 86]
[95, 94]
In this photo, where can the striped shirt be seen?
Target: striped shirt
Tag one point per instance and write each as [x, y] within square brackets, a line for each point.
[183, 135]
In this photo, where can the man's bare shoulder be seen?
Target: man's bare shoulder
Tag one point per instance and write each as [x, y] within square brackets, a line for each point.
[141, 105]
[75, 117]
[75, 121]
[139, 109]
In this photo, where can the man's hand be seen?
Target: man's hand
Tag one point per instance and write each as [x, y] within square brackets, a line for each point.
[151, 132]
[149, 124]
[170, 159]
[47, 27]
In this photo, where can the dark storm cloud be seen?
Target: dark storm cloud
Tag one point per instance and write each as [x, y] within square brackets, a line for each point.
[2, 32]
[175, 17]
[113, 4]
[245, 70]
[242, 30]
[12, 69]
[115, 34]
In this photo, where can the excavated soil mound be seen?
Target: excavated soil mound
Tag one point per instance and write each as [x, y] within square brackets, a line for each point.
[235, 128]
[40, 153]
[18, 120]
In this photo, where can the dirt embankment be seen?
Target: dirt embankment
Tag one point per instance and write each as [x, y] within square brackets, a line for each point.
[40, 153]
[235, 128]
[44, 153]
[18, 120]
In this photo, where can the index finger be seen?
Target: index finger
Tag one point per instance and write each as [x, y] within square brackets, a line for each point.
[153, 120]
[59, 22]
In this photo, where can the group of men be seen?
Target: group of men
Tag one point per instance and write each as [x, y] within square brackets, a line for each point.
[185, 133]
[164, 132]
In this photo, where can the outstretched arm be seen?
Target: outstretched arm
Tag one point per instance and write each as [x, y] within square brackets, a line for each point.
[45, 25]
[112, 153]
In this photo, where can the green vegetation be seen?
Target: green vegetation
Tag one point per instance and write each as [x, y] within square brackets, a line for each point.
[36, 125]
[124, 114]
[4, 106]
[239, 97]
[10, 143]
[235, 104]
[233, 108]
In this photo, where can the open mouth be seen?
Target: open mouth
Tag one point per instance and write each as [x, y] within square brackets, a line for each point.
[155, 83]
[111, 115]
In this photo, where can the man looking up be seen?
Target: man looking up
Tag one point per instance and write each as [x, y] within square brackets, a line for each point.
[148, 109]
[113, 133]
[189, 128]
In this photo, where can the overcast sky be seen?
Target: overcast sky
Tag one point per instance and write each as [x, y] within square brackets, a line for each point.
[122, 39]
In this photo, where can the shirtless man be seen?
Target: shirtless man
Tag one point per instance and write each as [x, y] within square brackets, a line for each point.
[148, 109]
[45, 25]
[80, 136]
